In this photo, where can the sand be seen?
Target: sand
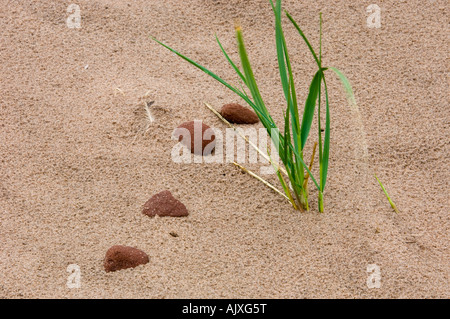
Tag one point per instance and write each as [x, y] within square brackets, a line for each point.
[76, 166]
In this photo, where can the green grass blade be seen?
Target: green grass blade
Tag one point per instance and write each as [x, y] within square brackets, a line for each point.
[293, 105]
[243, 90]
[305, 39]
[346, 83]
[210, 73]
[287, 81]
[287, 137]
[326, 142]
[280, 49]
[250, 78]
[320, 38]
[253, 87]
[306, 166]
[351, 98]
[282, 181]
[273, 6]
[310, 106]
[319, 125]
[297, 165]
[266, 120]
[387, 195]
[236, 69]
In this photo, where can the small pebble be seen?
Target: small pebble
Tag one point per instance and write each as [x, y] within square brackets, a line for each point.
[236, 113]
[164, 204]
[202, 140]
[121, 257]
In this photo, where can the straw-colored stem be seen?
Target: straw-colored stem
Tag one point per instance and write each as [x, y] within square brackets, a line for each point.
[283, 183]
[278, 167]
[263, 181]
[288, 192]
[305, 184]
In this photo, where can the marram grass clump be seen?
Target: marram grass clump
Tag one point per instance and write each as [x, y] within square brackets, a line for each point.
[291, 142]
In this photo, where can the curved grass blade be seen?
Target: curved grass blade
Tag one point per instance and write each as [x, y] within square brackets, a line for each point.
[305, 39]
[346, 83]
[387, 195]
[310, 106]
[250, 78]
[253, 87]
[236, 69]
[326, 146]
[266, 120]
[212, 74]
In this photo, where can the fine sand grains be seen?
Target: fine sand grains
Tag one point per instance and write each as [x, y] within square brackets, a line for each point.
[74, 177]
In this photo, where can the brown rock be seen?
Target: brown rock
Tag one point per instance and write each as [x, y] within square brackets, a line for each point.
[203, 140]
[121, 257]
[236, 113]
[164, 204]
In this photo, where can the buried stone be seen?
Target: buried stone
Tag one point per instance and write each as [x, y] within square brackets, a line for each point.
[164, 204]
[122, 257]
[238, 114]
[198, 137]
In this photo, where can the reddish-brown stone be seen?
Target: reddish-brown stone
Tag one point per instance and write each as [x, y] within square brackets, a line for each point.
[121, 257]
[164, 204]
[236, 113]
[196, 138]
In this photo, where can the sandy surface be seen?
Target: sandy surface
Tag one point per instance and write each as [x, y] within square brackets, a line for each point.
[76, 168]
